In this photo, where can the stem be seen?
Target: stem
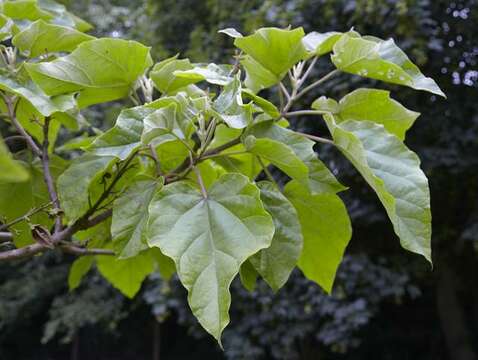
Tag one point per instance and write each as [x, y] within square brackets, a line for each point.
[155, 158]
[11, 114]
[317, 83]
[306, 112]
[316, 138]
[5, 237]
[199, 178]
[24, 217]
[284, 90]
[223, 155]
[48, 177]
[267, 172]
[307, 72]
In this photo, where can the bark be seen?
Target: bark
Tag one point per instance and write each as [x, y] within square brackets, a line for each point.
[452, 317]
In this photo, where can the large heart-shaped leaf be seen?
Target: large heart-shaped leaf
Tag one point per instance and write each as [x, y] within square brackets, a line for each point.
[326, 229]
[393, 171]
[100, 70]
[42, 38]
[372, 105]
[209, 238]
[380, 59]
[276, 262]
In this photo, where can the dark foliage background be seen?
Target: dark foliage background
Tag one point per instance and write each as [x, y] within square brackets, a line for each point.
[387, 304]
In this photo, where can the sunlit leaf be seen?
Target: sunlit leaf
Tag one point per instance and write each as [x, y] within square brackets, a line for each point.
[42, 38]
[208, 239]
[381, 60]
[100, 70]
[372, 105]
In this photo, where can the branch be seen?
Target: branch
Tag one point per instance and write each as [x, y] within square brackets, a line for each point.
[317, 83]
[11, 114]
[5, 237]
[48, 177]
[24, 217]
[57, 239]
[81, 251]
[316, 138]
[306, 112]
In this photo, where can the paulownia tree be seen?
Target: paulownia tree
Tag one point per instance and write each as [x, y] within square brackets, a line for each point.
[174, 184]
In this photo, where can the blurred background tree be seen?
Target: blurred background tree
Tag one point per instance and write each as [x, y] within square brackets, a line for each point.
[383, 307]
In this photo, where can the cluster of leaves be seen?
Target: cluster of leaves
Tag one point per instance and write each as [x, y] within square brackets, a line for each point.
[174, 185]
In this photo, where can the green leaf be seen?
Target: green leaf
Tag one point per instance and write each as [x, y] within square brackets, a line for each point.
[231, 32]
[320, 43]
[164, 264]
[381, 60]
[257, 76]
[74, 184]
[7, 28]
[10, 170]
[326, 229]
[28, 195]
[163, 75]
[320, 178]
[280, 155]
[78, 270]
[47, 10]
[25, 9]
[276, 262]
[248, 276]
[208, 239]
[212, 73]
[44, 104]
[230, 108]
[130, 216]
[125, 137]
[393, 171]
[100, 70]
[126, 275]
[42, 38]
[172, 120]
[373, 105]
[268, 107]
[277, 50]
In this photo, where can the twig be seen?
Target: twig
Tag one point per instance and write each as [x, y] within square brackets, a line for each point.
[267, 172]
[11, 114]
[284, 90]
[306, 112]
[317, 83]
[81, 251]
[24, 217]
[316, 138]
[199, 178]
[5, 237]
[155, 158]
[48, 177]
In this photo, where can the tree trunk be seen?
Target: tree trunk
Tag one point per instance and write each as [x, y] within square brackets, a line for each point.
[452, 317]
